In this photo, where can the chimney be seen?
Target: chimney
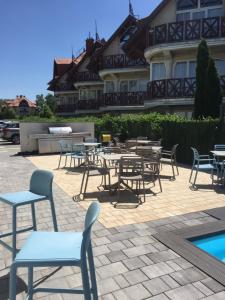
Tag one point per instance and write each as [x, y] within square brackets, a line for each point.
[89, 44]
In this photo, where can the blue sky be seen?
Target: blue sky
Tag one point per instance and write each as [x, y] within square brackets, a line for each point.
[34, 32]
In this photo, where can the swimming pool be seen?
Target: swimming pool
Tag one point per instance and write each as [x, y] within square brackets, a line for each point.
[213, 245]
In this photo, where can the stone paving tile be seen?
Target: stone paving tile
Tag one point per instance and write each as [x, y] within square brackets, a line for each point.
[187, 292]
[130, 263]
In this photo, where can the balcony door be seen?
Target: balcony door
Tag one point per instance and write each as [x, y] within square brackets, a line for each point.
[185, 69]
[158, 71]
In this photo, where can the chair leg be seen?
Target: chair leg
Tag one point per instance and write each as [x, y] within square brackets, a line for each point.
[82, 183]
[54, 220]
[86, 183]
[30, 283]
[14, 220]
[12, 287]
[195, 177]
[92, 273]
[172, 165]
[33, 216]
[85, 279]
[191, 175]
[59, 161]
[160, 184]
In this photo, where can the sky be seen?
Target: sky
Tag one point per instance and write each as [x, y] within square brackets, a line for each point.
[34, 32]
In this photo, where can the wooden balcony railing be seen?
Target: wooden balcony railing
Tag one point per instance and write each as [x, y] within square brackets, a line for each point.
[175, 88]
[87, 76]
[66, 108]
[213, 27]
[121, 61]
[88, 104]
[124, 99]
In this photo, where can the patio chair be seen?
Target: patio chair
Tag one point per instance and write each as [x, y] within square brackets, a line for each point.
[58, 249]
[65, 151]
[79, 153]
[201, 163]
[40, 190]
[151, 164]
[169, 157]
[93, 170]
[131, 169]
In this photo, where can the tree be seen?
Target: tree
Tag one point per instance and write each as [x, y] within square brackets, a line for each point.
[213, 93]
[201, 70]
[51, 102]
[46, 112]
[40, 101]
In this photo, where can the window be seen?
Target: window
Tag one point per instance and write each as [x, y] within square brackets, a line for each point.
[92, 94]
[183, 17]
[109, 87]
[133, 86]
[180, 70]
[125, 37]
[158, 71]
[83, 94]
[192, 69]
[220, 65]
[124, 86]
[185, 69]
[205, 3]
[186, 4]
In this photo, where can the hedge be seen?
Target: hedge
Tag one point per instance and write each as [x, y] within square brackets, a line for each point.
[202, 134]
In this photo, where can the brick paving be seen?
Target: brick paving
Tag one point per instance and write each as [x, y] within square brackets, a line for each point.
[130, 263]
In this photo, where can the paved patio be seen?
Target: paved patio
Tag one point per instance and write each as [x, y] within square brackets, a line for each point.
[130, 262]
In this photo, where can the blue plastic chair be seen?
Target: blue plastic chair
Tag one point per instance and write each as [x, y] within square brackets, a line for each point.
[53, 249]
[65, 151]
[79, 153]
[201, 163]
[219, 163]
[40, 190]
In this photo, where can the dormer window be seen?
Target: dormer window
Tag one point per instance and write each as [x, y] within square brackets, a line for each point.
[186, 4]
[125, 37]
[205, 3]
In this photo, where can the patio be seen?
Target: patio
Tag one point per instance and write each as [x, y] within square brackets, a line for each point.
[130, 262]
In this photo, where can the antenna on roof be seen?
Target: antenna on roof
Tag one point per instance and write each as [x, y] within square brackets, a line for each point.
[131, 11]
[73, 57]
[97, 38]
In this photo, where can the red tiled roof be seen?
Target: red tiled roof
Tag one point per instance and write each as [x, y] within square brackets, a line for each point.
[16, 102]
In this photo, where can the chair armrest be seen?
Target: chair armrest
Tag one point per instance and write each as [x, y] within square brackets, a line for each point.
[206, 159]
[204, 155]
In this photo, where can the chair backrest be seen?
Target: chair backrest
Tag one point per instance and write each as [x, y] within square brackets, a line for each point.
[90, 140]
[196, 154]
[147, 154]
[219, 147]
[78, 149]
[41, 183]
[90, 218]
[131, 165]
[64, 147]
[174, 149]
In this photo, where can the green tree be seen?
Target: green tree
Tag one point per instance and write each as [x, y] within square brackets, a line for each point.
[213, 93]
[46, 112]
[201, 70]
[40, 101]
[51, 102]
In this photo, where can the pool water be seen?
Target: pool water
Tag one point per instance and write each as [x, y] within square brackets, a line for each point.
[214, 245]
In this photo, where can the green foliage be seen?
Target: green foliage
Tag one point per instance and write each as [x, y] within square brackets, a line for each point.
[6, 112]
[46, 105]
[213, 95]
[202, 65]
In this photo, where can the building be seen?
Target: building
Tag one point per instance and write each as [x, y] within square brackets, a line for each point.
[21, 105]
[149, 64]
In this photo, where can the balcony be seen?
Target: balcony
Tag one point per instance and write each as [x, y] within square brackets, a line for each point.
[66, 108]
[92, 104]
[121, 61]
[175, 88]
[87, 76]
[124, 99]
[190, 30]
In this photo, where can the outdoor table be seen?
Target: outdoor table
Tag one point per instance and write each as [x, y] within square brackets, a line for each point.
[140, 142]
[91, 144]
[219, 154]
